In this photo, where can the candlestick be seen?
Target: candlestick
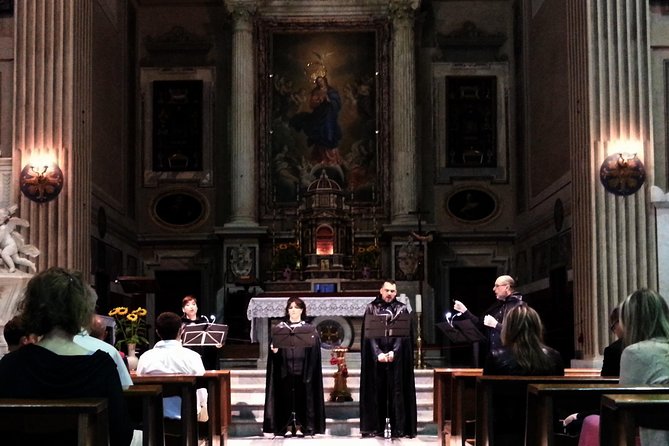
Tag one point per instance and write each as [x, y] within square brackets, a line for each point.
[419, 362]
[419, 303]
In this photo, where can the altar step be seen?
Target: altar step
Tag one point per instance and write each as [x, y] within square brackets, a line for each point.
[342, 419]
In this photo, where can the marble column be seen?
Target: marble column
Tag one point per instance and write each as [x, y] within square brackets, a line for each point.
[613, 237]
[52, 116]
[404, 176]
[243, 142]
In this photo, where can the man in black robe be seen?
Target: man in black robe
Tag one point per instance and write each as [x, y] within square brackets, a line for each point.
[387, 386]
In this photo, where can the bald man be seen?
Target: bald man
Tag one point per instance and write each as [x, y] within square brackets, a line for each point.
[507, 298]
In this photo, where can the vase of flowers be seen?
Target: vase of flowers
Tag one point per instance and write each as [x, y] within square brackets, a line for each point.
[130, 327]
[340, 392]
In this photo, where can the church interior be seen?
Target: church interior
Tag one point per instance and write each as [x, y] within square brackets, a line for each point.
[248, 150]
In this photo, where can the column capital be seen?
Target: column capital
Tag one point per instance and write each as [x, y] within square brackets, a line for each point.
[402, 10]
[242, 10]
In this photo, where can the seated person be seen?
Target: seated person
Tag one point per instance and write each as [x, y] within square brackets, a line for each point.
[55, 306]
[89, 341]
[16, 335]
[169, 356]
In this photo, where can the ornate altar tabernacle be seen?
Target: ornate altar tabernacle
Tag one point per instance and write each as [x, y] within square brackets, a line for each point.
[324, 229]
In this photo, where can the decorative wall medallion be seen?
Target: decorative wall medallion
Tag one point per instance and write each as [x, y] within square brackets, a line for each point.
[471, 205]
[180, 209]
[335, 331]
[622, 174]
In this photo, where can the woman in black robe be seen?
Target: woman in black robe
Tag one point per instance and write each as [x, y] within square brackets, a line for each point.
[387, 386]
[298, 369]
[208, 353]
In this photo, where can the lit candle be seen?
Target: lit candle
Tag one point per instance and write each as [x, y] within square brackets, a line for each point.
[419, 303]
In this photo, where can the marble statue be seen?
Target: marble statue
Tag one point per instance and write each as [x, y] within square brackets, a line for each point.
[12, 243]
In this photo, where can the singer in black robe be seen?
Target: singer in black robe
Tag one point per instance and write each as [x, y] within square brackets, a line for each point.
[301, 368]
[387, 389]
[209, 354]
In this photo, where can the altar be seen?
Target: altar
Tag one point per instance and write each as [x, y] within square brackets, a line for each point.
[335, 315]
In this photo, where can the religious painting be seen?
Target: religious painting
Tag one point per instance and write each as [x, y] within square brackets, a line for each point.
[323, 92]
[179, 209]
[471, 205]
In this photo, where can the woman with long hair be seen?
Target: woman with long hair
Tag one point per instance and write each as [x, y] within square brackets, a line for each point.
[523, 350]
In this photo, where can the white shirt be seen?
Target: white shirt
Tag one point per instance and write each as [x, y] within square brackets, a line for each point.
[92, 344]
[171, 357]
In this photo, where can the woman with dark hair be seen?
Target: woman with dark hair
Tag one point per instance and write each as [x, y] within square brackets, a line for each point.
[56, 305]
[523, 351]
[189, 316]
[294, 404]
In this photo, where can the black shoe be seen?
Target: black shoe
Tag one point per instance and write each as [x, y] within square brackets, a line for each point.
[368, 434]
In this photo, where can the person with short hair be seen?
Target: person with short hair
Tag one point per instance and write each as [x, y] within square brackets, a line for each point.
[169, 356]
[56, 304]
[16, 335]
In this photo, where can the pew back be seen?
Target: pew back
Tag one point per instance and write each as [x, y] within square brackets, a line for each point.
[621, 413]
[23, 420]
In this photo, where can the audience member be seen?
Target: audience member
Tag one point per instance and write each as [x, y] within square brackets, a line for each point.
[644, 316]
[387, 387]
[169, 356]
[55, 306]
[294, 381]
[15, 334]
[87, 340]
[492, 324]
[523, 351]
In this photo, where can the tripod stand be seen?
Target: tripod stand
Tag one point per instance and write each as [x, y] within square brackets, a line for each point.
[291, 339]
[387, 328]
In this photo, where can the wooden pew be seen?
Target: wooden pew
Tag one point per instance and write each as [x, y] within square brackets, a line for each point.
[219, 405]
[183, 386]
[147, 400]
[443, 392]
[548, 402]
[622, 413]
[88, 417]
[455, 400]
[510, 393]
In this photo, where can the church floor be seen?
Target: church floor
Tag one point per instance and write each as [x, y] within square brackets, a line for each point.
[325, 440]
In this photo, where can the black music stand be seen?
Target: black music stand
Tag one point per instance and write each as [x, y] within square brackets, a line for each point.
[300, 336]
[463, 332]
[386, 326]
[197, 335]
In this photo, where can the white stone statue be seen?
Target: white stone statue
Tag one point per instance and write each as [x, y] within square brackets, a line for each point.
[12, 243]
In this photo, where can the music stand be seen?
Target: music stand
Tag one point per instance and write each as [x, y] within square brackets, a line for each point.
[384, 326]
[195, 335]
[300, 336]
[461, 332]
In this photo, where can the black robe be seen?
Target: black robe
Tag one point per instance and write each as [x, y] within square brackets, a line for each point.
[309, 401]
[377, 378]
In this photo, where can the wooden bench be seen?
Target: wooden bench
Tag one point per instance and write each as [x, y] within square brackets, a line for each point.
[88, 417]
[510, 394]
[146, 400]
[622, 413]
[183, 386]
[455, 400]
[219, 405]
[547, 403]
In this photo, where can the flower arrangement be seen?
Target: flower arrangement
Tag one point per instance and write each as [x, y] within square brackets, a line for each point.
[130, 326]
[367, 256]
[340, 361]
[340, 392]
[286, 255]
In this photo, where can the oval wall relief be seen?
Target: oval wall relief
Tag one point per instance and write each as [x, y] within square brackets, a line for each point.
[179, 209]
[471, 205]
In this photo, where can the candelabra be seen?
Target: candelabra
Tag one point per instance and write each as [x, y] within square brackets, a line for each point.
[420, 361]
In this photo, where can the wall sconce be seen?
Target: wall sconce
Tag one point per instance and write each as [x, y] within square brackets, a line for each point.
[622, 174]
[41, 182]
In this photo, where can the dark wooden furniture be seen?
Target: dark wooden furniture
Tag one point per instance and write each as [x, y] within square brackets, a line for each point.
[183, 386]
[219, 405]
[547, 403]
[501, 404]
[88, 417]
[146, 401]
[622, 413]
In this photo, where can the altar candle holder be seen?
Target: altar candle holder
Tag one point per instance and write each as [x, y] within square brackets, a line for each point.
[420, 361]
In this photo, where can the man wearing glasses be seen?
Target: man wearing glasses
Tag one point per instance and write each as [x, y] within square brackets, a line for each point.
[507, 298]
